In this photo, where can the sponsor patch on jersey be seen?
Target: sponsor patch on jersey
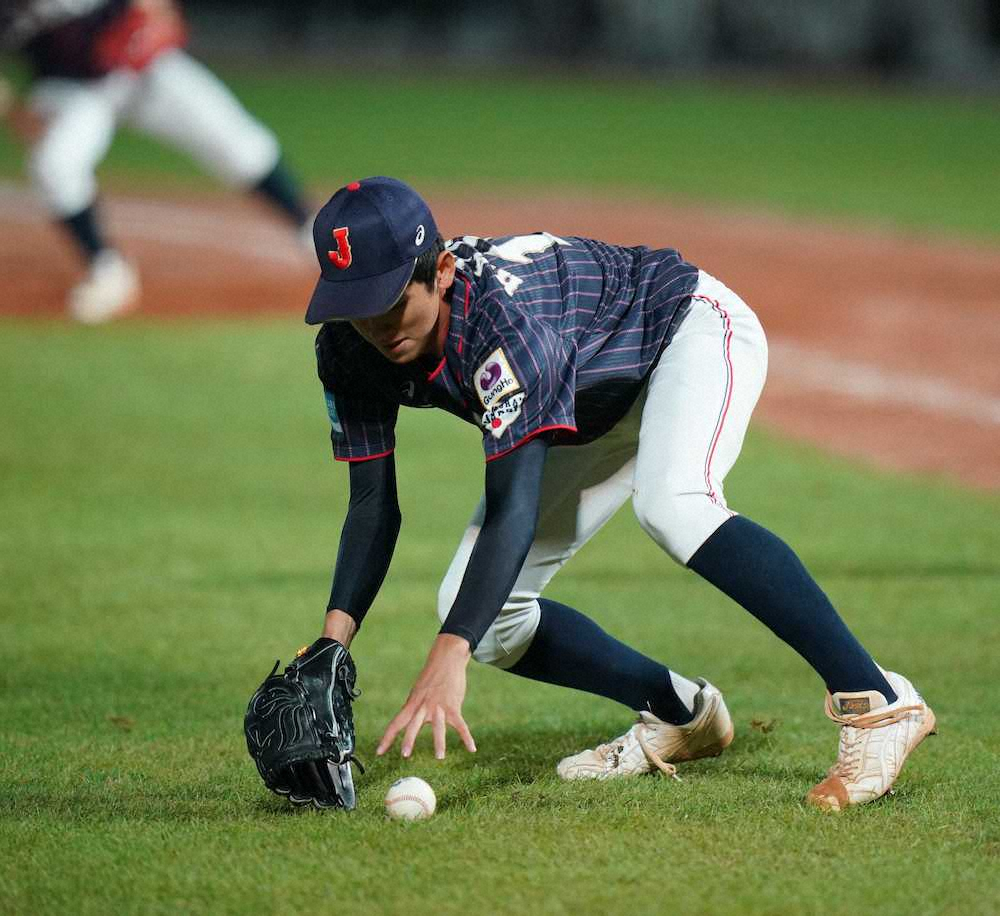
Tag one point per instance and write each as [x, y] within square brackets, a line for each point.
[331, 409]
[502, 414]
[494, 379]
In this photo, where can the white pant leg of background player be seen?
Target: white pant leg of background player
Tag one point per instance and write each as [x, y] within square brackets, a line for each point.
[80, 118]
[184, 104]
[698, 405]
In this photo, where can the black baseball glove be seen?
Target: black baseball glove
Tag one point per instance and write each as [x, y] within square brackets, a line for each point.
[300, 730]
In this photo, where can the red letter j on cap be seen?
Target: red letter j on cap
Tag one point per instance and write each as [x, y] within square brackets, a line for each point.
[342, 256]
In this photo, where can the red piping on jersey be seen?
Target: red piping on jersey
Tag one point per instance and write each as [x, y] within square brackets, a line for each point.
[366, 457]
[726, 350]
[437, 372]
[465, 312]
[531, 436]
[441, 365]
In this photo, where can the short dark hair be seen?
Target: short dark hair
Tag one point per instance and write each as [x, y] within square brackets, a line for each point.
[425, 270]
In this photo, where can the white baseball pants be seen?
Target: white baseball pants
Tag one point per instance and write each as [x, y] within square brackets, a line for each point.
[175, 99]
[670, 454]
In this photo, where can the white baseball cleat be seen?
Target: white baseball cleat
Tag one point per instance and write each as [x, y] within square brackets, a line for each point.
[875, 739]
[652, 744]
[109, 290]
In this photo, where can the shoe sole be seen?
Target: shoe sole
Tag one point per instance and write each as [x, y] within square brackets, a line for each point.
[929, 727]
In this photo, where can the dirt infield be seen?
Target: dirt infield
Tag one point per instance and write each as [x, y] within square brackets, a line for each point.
[882, 347]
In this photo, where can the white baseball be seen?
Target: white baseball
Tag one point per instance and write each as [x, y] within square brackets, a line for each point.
[410, 799]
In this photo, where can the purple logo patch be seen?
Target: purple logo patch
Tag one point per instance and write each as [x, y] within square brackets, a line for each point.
[491, 374]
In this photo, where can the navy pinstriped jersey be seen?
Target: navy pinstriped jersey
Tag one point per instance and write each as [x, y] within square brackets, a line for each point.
[546, 335]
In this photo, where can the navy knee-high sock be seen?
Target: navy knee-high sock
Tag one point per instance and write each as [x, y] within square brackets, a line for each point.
[570, 650]
[85, 231]
[281, 190]
[761, 572]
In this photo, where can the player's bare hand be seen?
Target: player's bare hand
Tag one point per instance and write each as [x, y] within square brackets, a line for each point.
[436, 699]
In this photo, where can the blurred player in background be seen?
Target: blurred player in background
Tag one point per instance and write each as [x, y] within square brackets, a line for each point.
[98, 63]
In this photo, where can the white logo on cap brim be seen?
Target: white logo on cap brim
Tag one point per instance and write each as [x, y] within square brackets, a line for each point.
[419, 240]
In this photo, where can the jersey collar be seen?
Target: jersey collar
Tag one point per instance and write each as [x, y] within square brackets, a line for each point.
[454, 334]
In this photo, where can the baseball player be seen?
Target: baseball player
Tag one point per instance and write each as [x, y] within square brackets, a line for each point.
[96, 64]
[595, 374]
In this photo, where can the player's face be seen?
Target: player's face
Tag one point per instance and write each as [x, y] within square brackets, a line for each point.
[410, 328]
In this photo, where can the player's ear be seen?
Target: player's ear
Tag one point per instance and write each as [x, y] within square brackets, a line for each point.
[445, 270]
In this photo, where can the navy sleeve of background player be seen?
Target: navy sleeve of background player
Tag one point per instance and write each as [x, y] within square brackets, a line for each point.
[513, 489]
[368, 537]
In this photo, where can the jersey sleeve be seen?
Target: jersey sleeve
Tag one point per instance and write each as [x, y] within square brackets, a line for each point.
[518, 370]
[362, 422]
[361, 428]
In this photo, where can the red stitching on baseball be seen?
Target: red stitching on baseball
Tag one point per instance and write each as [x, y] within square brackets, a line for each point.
[413, 798]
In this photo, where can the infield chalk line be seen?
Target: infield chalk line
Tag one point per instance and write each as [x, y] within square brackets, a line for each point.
[792, 363]
[819, 370]
[175, 224]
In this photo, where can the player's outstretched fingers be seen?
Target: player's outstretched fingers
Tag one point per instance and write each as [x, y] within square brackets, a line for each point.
[393, 729]
[439, 724]
[412, 730]
[458, 723]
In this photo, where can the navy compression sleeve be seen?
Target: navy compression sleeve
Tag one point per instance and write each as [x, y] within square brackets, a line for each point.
[368, 537]
[513, 488]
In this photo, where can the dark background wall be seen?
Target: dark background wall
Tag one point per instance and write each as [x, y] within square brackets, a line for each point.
[953, 42]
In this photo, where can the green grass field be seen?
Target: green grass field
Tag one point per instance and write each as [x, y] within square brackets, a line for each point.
[907, 160]
[170, 514]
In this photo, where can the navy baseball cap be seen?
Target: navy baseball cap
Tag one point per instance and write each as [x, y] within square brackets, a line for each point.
[368, 237]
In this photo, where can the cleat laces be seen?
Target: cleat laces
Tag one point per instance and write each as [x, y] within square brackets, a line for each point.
[849, 754]
[613, 751]
[854, 738]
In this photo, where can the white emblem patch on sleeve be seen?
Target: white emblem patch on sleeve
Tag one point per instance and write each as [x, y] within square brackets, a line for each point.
[331, 409]
[502, 414]
[494, 379]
